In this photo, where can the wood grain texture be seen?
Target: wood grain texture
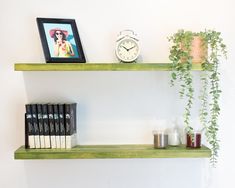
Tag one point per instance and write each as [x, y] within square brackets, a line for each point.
[112, 151]
[97, 67]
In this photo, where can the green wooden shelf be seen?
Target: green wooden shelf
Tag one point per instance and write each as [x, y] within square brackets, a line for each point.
[97, 67]
[112, 151]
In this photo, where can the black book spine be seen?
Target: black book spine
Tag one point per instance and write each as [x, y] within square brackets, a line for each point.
[46, 126]
[40, 125]
[35, 125]
[74, 118]
[68, 128]
[70, 122]
[26, 132]
[51, 125]
[57, 125]
[62, 126]
[29, 137]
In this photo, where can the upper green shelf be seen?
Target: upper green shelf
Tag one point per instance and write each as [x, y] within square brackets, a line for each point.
[112, 151]
[97, 67]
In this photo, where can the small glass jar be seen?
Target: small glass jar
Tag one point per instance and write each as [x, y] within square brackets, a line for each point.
[194, 140]
[160, 139]
[173, 137]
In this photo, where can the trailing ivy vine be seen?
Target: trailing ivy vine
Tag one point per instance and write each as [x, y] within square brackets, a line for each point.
[180, 52]
[180, 56]
[217, 49]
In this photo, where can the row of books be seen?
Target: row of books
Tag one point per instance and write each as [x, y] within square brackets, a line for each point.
[50, 125]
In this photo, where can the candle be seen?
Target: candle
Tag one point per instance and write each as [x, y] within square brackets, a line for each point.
[160, 139]
[174, 138]
[195, 142]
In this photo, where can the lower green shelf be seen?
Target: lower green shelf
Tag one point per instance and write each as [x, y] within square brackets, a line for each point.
[112, 151]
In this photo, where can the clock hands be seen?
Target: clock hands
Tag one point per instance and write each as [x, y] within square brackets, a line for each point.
[127, 49]
[131, 48]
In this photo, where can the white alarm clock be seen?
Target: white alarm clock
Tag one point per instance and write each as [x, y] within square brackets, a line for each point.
[127, 47]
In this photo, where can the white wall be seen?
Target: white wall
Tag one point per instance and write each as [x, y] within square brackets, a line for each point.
[114, 107]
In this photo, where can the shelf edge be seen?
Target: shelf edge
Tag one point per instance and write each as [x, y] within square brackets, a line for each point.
[97, 67]
[112, 152]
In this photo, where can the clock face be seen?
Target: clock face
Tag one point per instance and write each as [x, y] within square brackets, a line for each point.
[127, 50]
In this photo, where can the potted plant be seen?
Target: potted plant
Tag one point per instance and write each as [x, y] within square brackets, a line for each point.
[205, 48]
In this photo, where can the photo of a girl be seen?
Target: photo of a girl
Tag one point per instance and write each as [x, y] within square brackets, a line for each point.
[62, 47]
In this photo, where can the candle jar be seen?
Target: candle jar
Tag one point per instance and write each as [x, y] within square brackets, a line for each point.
[174, 138]
[194, 140]
[160, 139]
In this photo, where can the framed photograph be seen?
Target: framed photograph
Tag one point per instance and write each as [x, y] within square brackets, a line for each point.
[60, 40]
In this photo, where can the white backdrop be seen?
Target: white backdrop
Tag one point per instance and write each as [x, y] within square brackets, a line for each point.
[114, 107]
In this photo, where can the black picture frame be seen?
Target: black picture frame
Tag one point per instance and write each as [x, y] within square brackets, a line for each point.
[67, 48]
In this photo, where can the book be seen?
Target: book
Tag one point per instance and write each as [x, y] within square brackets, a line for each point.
[51, 125]
[40, 125]
[70, 125]
[62, 126]
[35, 125]
[46, 126]
[29, 129]
[57, 125]
[26, 141]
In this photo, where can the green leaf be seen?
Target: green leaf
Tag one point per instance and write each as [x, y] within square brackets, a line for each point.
[173, 75]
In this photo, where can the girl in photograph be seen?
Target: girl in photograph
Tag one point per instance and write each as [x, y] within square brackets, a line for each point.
[62, 48]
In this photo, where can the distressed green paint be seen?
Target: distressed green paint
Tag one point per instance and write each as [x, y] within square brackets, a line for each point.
[97, 67]
[112, 151]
